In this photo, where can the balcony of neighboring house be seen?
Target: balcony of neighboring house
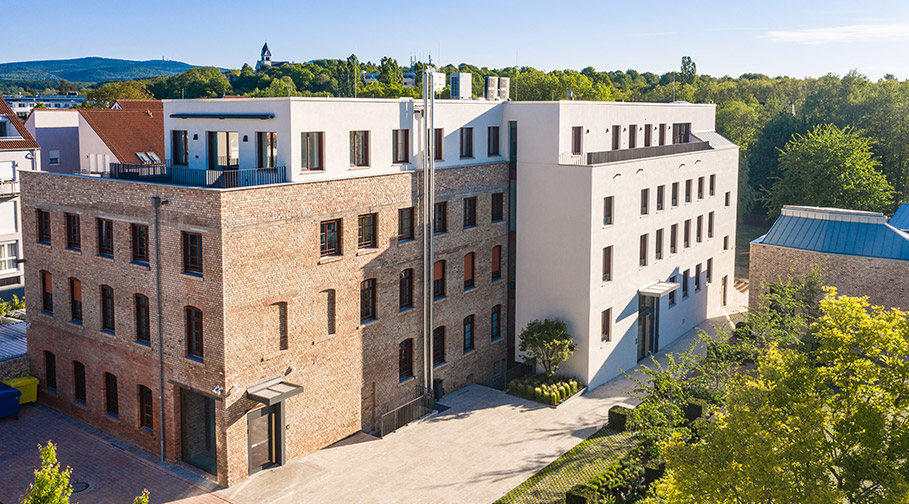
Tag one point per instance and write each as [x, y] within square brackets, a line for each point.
[223, 173]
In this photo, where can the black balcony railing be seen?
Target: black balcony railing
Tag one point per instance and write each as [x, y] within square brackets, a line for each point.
[595, 158]
[222, 178]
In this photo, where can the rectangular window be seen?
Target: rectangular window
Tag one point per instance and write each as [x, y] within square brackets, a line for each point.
[466, 143]
[661, 191]
[495, 323]
[608, 209]
[616, 137]
[223, 150]
[498, 201]
[672, 279]
[105, 237]
[440, 218]
[9, 253]
[662, 134]
[468, 333]
[726, 242]
[359, 148]
[673, 238]
[470, 212]
[632, 136]
[139, 234]
[405, 359]
[192, 252]
[405, 289]
[313, 148]
[405, 224]
[50, 370]
[194, 338]
[143, 329]
[79, 381]
[145, 408]
[330, 238]
[469, 262]
[658, 244]
[496, 262]
[700, 187]
[179, 147]
[400, 146]
[648, 135]
[75, 300]
[438, 345]
[47, 292]
[53, 157]
[107, 308]
[42, 218]
[73, 235]
[368, 300]
[686, 240]
[688, 191]
[680, 133]
[606, 325]
[110, 395]
[645, 201]
[366, 231]
[685, 276]
[607, 264]
[697, 278]
[643, 251]
[577, 134]
[675, 194]
[492, 141]
[710, 225]
[698, 236]
[438, 280]
[439, 145]
[728, 198]
[267, 149]
[709, 272]
[712, 185]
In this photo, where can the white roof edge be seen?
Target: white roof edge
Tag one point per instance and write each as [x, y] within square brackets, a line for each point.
[833, 214]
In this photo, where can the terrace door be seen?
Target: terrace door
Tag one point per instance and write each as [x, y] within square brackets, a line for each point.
[198, 431]
[647, 326]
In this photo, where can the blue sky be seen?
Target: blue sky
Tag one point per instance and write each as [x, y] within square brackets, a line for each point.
[775, 37]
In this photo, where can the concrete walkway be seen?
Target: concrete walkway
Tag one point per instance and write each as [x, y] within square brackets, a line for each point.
[475, 452]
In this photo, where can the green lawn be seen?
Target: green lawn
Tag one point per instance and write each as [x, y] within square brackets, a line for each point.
[745, 234]
[578, 465]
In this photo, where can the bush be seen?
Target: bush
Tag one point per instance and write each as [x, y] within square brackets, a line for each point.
[653, 471]
[618, 418]
[581, 494]
[538, 393]
[695, 408]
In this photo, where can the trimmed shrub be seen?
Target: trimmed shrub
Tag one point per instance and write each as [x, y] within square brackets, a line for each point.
[695, 408]
[581, 494]
[574, 386]
[698, 426]
[538, 393]
[547, 397]
[653, 471]
[618, 418]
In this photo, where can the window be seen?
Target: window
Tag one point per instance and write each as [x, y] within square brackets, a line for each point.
[105, 237]
[726, 242]
[73, 236]
[632, 136]
[675, 194]
[312, 150]
[145, 408]
[107, 308]
[495, 322]
[359, 148]
[658, 244]
[616, 137]
[697, 278]
[368, 300]
[330, 238]
[492, 141]
[438, 279]
[645, 201]
[9, 252]
[405, 359]
[194, 337]
[470, 212]
[330, 297]
[466, 143]
[192, 252]
[498, 200]
[405, 289]
[661, 191]
[709, 272]
[672, 279]
[79, 381]
[47, 292]
[110, 395]
[42, 217]
[607, 264]
[143, 329]
[680, 132]
[496, 262]
[686, 241]
[698, 235]
[688, 191]
[439, 144]
[400, 146]
[710, 225]
[606, 325]
[662, 134]
[469, 262]
[712, 185]
[366, 231]
[673, 238]
[50, 370]
[643, 250]
[440, 218]
[728, 198]
[648, 135]
[468, 333]
[577, 134]
[685, 276]
[53, 157]
[179, 147]
[405, 224]
[608, 211]
[700, 187]
[75, 300]
[438, 345]
[139, 233]
[280, 314]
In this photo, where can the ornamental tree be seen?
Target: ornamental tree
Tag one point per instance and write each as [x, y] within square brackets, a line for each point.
[51, 485]
[548, 343]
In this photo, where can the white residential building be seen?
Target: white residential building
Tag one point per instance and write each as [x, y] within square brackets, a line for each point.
[22, 105]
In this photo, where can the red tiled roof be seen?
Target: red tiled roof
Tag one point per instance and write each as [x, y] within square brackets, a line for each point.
[141, 105]
[126, 132]
[26, 142]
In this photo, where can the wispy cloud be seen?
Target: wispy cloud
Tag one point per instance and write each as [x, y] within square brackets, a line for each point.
[852, 33]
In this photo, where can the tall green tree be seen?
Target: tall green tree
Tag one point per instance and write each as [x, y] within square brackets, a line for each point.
[689, 70]
[106, 94]
[390, 72]
[547, 343]
[51, 485]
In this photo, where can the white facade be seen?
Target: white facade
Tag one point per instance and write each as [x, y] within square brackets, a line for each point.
[23, 104]
[13, 158]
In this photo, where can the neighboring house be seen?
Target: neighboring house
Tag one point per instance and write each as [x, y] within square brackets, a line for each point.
[22, 105]
[859, 253]
[265, 61]
[89, 140]
[18, 151]
[283, 252]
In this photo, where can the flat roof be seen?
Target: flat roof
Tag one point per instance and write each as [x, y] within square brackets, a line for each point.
[12, 341]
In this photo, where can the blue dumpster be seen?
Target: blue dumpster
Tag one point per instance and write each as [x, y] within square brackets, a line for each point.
[9, 401]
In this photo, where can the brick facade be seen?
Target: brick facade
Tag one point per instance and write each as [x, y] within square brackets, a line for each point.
[263, 276]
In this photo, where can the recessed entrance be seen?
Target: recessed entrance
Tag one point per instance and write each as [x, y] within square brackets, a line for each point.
[648, 334]
[197, 429]
[266, 427]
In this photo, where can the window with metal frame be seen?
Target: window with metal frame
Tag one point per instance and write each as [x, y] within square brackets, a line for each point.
[267, 149]
[179, 147]
[330, 238]
[405, 359]
[143, 326]
[139, 239]
[195, 341]
[470, 212]
[466, 143]
[73, 234]
[107, 308]
[9, 254]
[368, 300]
[577, 135]
[469, 262]
[400, 146]
[105, 237]
[75, 300]
[498, 200]
[438, 345]
[492, 141]
[47, 292]
[405, 289]
[440, 217]
[405, 224]
[192, 252]
[468, 333]
[111, 402]
[312, 145]
[366, 231]
[359, 148]
[50, 370]
[42, 218]
[438, 279]
[146, 411]
[606, 325]
[496, 265]
[79, 382]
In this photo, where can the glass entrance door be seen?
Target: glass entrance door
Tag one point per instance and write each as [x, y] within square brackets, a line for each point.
[264, 438]
[647, 326]
[198, 431]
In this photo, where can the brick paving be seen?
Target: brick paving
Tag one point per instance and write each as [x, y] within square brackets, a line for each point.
[115, 475]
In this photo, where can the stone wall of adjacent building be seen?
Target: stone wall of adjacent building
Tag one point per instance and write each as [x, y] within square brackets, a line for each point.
[14, 368]
[882, 280]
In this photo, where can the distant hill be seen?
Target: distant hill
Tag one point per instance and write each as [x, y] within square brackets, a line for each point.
[90, 69]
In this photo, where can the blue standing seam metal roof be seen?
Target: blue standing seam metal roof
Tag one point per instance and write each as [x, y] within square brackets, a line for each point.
[12, 341]
[900, 219]
[867, 239]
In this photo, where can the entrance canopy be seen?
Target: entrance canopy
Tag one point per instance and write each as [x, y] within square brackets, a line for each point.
[273, 391]
[658, 289]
